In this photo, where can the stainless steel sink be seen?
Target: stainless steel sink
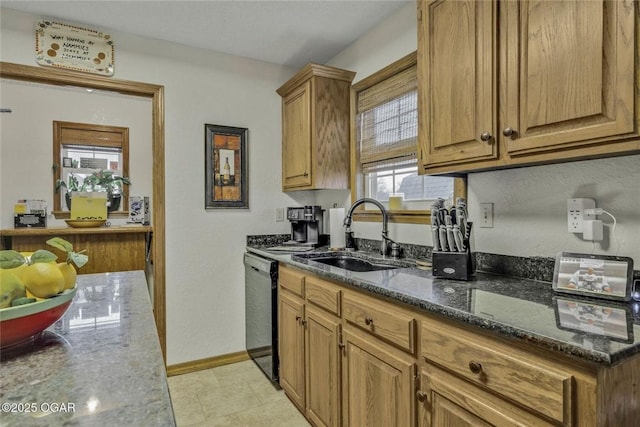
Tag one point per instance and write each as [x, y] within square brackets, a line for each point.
[351, 263]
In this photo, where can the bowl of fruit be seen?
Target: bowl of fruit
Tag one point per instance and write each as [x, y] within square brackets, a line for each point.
[35, 290]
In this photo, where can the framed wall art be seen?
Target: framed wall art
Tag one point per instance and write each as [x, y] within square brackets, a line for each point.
[226, 168]
[598, 276]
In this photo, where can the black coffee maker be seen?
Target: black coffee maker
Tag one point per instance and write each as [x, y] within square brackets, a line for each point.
[306, 225]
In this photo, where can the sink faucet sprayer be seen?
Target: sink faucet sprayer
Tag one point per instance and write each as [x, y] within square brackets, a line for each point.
[384, 247]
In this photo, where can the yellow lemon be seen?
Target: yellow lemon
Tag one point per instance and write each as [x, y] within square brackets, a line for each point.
[30, 295]
[43, 280]
[11, 287]
[19, 271]
[69, 274]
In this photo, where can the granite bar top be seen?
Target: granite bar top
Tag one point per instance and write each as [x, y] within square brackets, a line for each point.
[99, 365]
[596, 331]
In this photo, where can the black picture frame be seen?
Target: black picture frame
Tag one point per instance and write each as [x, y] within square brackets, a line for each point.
[67, 162]
[595, 276]
[226, 168]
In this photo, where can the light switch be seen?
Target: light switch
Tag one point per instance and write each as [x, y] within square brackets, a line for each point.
[486, 215]
[279, 214]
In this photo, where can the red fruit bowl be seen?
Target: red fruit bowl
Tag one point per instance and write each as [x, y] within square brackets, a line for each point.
[24, 321]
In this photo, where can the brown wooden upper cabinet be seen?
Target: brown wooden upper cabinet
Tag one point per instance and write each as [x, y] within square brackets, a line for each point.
[511, 83]
[315, 129]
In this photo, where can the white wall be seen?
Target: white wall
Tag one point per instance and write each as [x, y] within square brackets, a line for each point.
[205, 279]
[530, 207]
[529, 203]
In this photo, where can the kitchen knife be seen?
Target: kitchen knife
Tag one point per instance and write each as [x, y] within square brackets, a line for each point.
[435, 226]
[443, 237]
[450, 238]
[435, 238]
[457, 235]
[435, 214]
[461, 217]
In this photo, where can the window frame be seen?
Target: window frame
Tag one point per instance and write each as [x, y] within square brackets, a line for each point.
[405, 216]
[58, 128]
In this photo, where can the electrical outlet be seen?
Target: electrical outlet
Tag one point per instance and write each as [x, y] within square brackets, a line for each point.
[486, 215]
[576, 215]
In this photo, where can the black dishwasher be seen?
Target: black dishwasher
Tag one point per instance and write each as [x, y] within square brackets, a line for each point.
[261, 314]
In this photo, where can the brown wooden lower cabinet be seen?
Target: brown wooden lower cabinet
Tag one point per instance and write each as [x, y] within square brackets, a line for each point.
[291, 345]
[309, 344]
[350, 359]
[109, 249]
[445, 400]
[377, 383]
[323, 367]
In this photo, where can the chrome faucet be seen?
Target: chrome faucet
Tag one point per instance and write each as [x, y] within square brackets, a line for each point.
[384, 244]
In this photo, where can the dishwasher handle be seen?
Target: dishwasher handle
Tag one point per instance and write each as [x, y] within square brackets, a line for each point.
[261, 265]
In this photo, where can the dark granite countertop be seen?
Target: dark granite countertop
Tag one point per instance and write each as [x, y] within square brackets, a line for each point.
[101, 360]
[597, 331]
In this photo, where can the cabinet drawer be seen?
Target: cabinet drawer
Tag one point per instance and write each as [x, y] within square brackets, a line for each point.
[323, 294]
[291, 280]
[380, 319]
[513, 374]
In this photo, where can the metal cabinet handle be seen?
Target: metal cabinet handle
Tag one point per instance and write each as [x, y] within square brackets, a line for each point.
[421, 395]
[304, 322]
[368, 320]
[341, 346]
[475, 367]
[305, 174]
[508, 131]
[486, 136]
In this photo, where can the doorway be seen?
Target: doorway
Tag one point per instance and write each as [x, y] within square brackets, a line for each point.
[156, 93]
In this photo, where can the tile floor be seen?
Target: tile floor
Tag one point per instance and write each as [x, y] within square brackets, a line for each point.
[237, 395]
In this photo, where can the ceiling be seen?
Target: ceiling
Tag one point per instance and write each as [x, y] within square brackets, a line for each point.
[289, 32]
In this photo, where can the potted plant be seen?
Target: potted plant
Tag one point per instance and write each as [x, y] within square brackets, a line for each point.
[101, 180]
[107, 181]
[73, 184]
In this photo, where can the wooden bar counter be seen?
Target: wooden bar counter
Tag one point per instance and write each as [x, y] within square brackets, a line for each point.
[114, 248]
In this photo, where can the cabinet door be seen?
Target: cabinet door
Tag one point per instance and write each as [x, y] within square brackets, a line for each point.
[569, 73]
[296, 137]
[291, 345]
[457, 94]
[377, 383]
[323, 368]
[444, 400]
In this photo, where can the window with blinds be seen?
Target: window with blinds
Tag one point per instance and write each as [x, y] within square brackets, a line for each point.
[80, 149]
[388, 122]
[386, 136]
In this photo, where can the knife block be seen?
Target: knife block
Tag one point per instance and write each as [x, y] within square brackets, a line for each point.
[452, 265]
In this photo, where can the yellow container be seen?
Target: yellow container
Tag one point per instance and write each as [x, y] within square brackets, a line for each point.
[395, 201]
[88, 205]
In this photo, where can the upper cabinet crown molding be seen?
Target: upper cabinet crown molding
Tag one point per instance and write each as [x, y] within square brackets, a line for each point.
[556, 83]
[311, 70]
[315, 129]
